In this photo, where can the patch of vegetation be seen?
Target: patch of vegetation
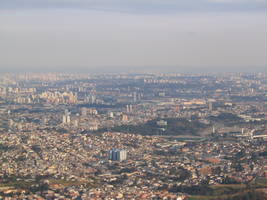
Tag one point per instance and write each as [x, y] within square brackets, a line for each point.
[230, 192]
[175, 127]
[226, 118]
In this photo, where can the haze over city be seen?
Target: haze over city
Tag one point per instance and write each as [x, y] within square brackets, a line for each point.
[137, 36]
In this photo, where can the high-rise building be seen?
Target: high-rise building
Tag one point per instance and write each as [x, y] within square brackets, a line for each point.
[129, 108]
[124, 118]
[111, 114]
[210, 106]
[134, 97]
[117, 154]
[66, 119]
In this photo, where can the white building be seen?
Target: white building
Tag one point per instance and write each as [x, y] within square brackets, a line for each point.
[118, 154]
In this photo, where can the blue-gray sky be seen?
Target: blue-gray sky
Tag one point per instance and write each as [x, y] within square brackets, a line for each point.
[108, 35]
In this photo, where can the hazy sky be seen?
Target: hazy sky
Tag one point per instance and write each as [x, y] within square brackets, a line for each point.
[107, 35]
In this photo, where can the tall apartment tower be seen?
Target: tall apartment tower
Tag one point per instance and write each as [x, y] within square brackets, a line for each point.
[66, 119]
[118, 154]
[210, 106]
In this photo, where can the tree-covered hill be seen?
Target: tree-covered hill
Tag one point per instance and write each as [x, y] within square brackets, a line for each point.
[175, 127]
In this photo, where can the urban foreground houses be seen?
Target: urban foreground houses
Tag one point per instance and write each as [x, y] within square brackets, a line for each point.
[133, 136]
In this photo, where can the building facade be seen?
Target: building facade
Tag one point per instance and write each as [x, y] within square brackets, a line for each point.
[117, 154]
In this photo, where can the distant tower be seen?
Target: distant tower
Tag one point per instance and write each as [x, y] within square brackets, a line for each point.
[134, 97]
[118, 154]
[124, 118]
[66, 119]
[213, 130]
[111, 114]
[127, 108]
[139, 96]
[92, 99]
[210, 106]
